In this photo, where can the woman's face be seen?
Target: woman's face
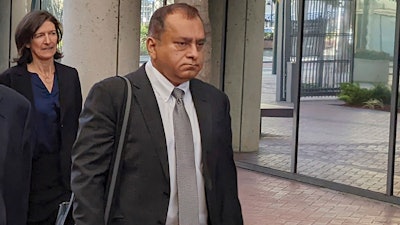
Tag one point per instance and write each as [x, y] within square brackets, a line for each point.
[43, 45]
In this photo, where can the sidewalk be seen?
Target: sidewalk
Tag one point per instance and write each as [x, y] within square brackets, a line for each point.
[336, 143]
[268, 200]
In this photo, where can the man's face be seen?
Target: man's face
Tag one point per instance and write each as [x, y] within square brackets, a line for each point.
[178, 54]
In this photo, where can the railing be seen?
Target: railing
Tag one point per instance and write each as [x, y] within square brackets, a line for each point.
[327, 46]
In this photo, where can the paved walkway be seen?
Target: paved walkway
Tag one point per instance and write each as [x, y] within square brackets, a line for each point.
[336, 143]
[268, 200]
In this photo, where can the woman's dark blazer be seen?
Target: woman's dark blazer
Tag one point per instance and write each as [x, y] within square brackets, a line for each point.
[19, 79]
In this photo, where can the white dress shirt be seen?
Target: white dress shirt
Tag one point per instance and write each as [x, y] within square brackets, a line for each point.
[166, 102]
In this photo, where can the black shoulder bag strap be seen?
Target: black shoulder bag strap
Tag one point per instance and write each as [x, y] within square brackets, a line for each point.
[118, 154]
[65, 212]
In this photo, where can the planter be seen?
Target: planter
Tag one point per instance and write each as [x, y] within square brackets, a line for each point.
[370, 71]
[268, 44]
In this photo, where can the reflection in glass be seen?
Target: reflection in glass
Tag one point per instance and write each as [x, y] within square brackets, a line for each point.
[276, 109]
[147, 9]
[396, 187]
[276, 131]
[11, 12]
[345, 139]
[55, 7]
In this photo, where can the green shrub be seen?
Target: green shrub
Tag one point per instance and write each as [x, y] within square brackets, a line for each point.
[268, 36]
[352, 94]
[382, 93]
[374, 104]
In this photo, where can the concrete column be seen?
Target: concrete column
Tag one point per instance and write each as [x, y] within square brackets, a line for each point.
[217, 14]
[101, 38]
[14, 13]
[5, 11]
[129, 36]
[243, 70]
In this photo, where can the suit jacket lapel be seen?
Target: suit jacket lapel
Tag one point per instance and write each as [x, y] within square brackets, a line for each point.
[147, 103]
[204, 117]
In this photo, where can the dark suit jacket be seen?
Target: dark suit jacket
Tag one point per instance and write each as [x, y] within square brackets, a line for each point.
[143, 189]
[15, 156]
[19, 79]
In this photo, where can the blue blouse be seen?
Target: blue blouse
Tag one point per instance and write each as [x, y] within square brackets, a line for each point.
[46, 186]
[47, 116]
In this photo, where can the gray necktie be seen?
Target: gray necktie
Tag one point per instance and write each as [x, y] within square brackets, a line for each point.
[188, 203]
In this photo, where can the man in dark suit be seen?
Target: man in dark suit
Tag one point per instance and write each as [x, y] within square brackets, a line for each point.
[15, 156]
[148, 185]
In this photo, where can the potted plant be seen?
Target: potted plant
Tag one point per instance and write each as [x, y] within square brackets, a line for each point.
[268, 38]
[371, 66]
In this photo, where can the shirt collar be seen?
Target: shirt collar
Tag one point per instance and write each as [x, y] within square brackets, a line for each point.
[161, 84]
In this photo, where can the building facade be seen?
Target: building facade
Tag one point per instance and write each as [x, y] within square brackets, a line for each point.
[323, 141]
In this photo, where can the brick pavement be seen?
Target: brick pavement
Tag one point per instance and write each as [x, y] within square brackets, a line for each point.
[268, 200]
[336, 143]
